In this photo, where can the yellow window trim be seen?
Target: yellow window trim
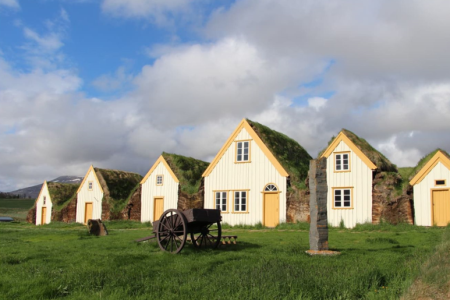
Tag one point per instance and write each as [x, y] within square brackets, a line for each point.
[90, 182]
[244, 124]
[162, 179]
[349, 161]
[343, 138]
[246, 204]
[352, 200]
[157, 162]
[91, 169]
[436, 180]
[227, 203]
[249, 152]
[439, 157]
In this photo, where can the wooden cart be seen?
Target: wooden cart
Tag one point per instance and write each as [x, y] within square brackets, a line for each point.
[173, 227]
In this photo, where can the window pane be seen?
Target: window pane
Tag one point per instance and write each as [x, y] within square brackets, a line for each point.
[245, 157]
[224, 207]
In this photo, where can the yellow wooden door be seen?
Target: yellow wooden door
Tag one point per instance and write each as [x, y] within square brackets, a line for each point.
[441, 207]
[158, 208]
[88, 212]
[43, 215]
[271, 209]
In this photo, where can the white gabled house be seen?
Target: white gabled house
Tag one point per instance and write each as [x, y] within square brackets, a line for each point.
[249, 177]
[170, 177]
[431, 186]
[351, 163]
[103, 194]
[43, 206]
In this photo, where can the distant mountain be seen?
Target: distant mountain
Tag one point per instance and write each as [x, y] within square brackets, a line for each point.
[33, 191]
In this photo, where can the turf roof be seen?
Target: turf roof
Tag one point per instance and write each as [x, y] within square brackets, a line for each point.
[188, 171]
[422, 162]
[117, 186]
[377, 158]
[61, 193]
[293, 157]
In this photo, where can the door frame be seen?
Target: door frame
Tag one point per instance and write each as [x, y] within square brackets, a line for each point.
[154, 205]
[43, 221]
[264, 201]
[85, 215]
[431, 202]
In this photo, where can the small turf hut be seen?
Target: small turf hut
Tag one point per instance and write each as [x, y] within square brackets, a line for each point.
[431, 185]
[355, 173]
[251, 175]
[174, 181]
[103, 194]
[52, 201]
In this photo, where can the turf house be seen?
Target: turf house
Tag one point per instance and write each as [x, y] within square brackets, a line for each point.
[431, 185]
[250, 176]
[174, 181]
[104, 194]
[53, 203]
[353, 165]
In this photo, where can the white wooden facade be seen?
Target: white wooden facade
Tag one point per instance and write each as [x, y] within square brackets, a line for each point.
[89, 195]
[434, 176]
[226, 175]
[355, 179]
[152, 190]
[43, 205]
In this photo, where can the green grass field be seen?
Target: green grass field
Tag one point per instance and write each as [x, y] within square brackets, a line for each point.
[62, 260]
[15, 208]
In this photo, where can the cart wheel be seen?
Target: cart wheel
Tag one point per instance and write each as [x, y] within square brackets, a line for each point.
[171, 234]
[208, 236]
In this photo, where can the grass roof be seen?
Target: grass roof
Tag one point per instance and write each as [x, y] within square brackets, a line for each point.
[293, 157]
[188, 171]
[377, 158]
[423, 161]
[61, 193]
[117, 186]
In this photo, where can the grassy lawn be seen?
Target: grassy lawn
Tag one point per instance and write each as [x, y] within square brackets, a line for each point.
[62, 260]
[15, 208]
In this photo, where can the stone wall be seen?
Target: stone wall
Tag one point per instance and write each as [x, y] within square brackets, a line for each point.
[31, 216]
[68, 214]
[132, 210]
[297, 206]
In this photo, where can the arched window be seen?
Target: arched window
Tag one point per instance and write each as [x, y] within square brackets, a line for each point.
[270, 188]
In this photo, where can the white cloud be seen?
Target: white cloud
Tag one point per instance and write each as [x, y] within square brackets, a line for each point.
[10, 3]
[317, 102]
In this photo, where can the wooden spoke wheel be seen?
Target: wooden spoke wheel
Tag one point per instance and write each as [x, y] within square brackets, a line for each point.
[208, 237]
[172, 231]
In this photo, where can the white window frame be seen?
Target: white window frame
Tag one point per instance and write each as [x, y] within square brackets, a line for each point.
[44, 200]
[220, 200]
[343, 193]
[240, 151]
[162, 179]
[238, 205]
[339, 160]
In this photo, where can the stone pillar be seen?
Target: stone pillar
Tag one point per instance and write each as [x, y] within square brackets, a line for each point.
[318, 231]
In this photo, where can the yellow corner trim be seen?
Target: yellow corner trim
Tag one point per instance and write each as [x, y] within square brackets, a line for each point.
[159, 160]
[438, 157]
[91, 169]
[258, 141]
[343, 138]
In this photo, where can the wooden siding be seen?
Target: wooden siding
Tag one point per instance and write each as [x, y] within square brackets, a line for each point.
[168, 190]
[423, 193]
[253, 177]
[84, 195]
[39, 205]
[360, 179]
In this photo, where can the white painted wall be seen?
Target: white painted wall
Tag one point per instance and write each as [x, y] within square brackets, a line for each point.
[254, 176]
[422, 194]
[360, 178]
[150, 191]
[40, 204]
[85, 196]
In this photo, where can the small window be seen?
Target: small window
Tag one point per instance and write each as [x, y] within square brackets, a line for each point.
[342, 162]
[342, 198]
[242, 151]
[221, 201]
[159, 180]
[44, 200]
[240, 201]
[440, 182]
[90, 185]
[270, 188]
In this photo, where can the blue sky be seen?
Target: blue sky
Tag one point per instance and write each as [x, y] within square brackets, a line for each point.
[115, 82]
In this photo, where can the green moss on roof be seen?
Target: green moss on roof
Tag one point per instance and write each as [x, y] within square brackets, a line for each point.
[61, 193]
[188, 171]
[377, 158]
[293, 157]
[423, 161]
[117, 186]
